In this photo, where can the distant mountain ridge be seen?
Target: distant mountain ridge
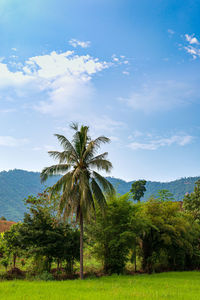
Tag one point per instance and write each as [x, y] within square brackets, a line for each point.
[15, 185]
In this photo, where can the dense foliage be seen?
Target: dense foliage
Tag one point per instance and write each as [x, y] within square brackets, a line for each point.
[171, 239]
[42, 236]
[112, 234]
[153, 236]
[191, 202]
[138, 189]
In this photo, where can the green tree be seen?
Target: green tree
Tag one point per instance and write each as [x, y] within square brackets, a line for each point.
[47, 240]
[191, 202]
[13, 242]
[82, 187]
[44, 202]
[138, 189]
[112, 235]
[165, 195]
[171, 239]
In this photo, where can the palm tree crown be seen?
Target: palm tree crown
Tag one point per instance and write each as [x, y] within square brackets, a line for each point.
[81, 186]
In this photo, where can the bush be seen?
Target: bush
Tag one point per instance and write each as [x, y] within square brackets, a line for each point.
[13, 273]
[46, 276]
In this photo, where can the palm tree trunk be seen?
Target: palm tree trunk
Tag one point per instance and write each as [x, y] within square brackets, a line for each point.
[81, 245]
[135, 263]
[14, 259]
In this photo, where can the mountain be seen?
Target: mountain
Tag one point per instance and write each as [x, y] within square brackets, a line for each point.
[177, 187]
[16, 185]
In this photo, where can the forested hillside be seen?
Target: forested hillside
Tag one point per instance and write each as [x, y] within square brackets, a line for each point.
[177, 187]
[16, 185]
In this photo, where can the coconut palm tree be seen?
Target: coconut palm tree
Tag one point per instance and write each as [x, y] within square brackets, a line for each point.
[81, 186]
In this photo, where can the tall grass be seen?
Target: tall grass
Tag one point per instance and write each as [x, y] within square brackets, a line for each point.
[172, 285]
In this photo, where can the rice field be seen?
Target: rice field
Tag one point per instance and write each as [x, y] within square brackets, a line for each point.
[172, 285]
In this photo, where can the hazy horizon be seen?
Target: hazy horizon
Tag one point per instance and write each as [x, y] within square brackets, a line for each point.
[109, 175]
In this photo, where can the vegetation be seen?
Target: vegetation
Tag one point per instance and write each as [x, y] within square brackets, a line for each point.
[16, 185]
[112, 234]
[81, 186]
[121, 236]
[47, 240]
[138, 189]
[170, 238]
[170, 286]
[192, 202]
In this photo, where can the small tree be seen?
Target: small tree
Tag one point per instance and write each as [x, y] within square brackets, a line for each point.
[44, 236]
[13, 242]
[191, 202]
[138, 189]
[112, 234]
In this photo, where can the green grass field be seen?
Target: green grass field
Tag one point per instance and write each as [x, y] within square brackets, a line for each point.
[173, 285]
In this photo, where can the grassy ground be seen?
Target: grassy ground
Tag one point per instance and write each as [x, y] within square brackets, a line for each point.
[173, 285]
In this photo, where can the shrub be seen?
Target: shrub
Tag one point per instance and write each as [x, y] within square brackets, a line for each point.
[46, 276]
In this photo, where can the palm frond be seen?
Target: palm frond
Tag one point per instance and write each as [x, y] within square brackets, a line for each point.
[101, 164]
[65, 143]
[54, 170]
[69, 200]
[94, 145]
[100, 156]
[104, 183]
[99, 196]
[74, 126]
[63, 157]
[62, 183]
[80, 140]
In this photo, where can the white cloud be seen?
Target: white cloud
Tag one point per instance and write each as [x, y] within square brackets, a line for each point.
[136, 133]
[14, 49]
[66, 78]
[191, 39]
[154, 144]
[170, 31]
[193, 46]
[13, 78]
[160, 95]
[75, 43]
[120, 60]
[193, 51]
[98, 126]
[115, 58]
[105, 124]
[125, 72]
[60, 81]
[9, 141]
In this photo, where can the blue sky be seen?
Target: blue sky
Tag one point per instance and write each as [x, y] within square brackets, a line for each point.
[128, 69]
